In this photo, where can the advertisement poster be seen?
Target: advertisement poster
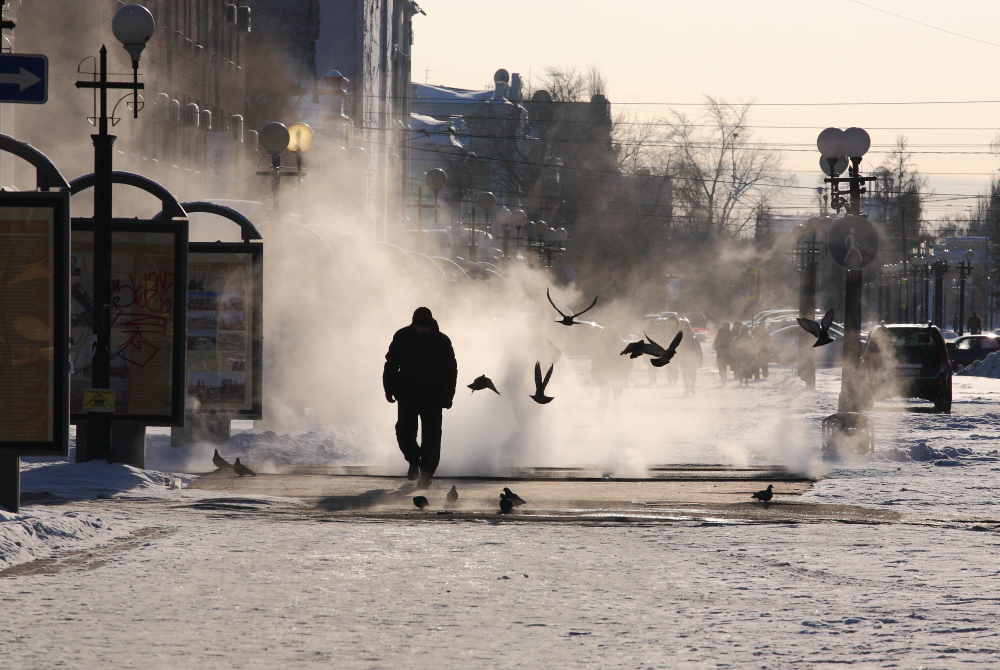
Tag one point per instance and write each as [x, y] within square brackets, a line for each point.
[27, 323]
[142, 326]
[222, 304]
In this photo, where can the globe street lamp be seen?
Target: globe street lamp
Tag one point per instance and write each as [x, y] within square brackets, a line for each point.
[486, 201]
[518, 219]
[964, 270]
[833, 143]
[436, 180]
[274, 139]
[132, 25]
[940, 269]
[504, 216]
[300, 140]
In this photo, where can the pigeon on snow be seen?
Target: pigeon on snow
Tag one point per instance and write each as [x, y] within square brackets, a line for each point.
[567, 319]
[452, 496]
[541, 383]
[663, 356]
[243, 470]
[506, 505]
[420, 501]
[483, 382]
[515, 499]
[765, 495]
[219, 462]
[821, 330]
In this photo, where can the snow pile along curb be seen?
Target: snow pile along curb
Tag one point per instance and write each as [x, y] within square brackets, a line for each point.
[988, 367]
[43, 532]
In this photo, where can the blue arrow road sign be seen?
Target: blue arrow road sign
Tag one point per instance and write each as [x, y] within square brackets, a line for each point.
[24, 78]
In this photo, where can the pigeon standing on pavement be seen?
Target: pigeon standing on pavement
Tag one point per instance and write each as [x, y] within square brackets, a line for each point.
[452, 496]
[506, 505]
[663, 356]
[540, 384]
[420, 501]
[483, 382]
[243, 470]
[821, 330]
[515, 499]
[567, 319]
[219, 462]
[765, 495]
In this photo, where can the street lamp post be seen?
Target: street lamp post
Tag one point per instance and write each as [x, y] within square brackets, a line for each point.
[132, 25]
[807, 254]
[964, 270]
[486, 201]
[940, 269]
[504, 216]
[300, 139]
[518, 219]
[853, 143]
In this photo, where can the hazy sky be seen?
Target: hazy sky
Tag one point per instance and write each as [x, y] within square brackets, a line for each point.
[658, 53]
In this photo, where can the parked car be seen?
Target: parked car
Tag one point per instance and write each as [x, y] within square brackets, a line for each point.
[908, 361]
[968, 349]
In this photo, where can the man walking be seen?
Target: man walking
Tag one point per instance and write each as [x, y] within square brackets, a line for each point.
[420, 373]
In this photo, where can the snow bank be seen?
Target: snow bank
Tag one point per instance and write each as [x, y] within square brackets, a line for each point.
[943, 456]
[318, 445]
[988, 367]
[44, 531]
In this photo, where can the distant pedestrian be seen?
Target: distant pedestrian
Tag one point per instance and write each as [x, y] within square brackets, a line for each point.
[762, 339]
[689, 359]
[421, 374]
[975, 325]
[744, 354]
[723, 344]
[955, 322]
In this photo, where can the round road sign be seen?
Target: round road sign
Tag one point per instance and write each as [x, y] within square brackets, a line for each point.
[853, 242]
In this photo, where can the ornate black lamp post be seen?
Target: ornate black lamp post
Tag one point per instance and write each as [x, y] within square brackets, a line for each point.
[132, 25]
[851, 251]
[964, 270]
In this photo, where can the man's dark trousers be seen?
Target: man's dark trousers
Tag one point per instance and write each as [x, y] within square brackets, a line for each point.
[428, 453]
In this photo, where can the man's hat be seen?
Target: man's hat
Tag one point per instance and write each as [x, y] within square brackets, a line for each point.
[422, 317]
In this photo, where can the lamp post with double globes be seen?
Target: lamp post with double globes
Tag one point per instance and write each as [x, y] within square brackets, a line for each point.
[833, 144]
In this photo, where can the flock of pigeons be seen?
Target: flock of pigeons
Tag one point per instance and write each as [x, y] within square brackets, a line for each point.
[660, 357]
[237, 467]
[508, 500]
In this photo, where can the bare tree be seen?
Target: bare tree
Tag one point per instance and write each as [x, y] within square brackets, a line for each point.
[898, 195]
[721, 174]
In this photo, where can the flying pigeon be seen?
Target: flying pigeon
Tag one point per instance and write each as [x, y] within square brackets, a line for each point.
[452, 496]
[636, 349]
[540, 384]
[765, 495]
[819, 330]
[483, 382]
[567, 319]
[506, 505]
[663, 356]
[219, 462]
[420, 501]
[243, 470]
[515, 499]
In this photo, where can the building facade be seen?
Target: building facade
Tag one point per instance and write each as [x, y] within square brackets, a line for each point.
[189, 134]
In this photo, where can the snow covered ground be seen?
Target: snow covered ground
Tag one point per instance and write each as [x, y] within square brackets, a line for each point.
[118, 567]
